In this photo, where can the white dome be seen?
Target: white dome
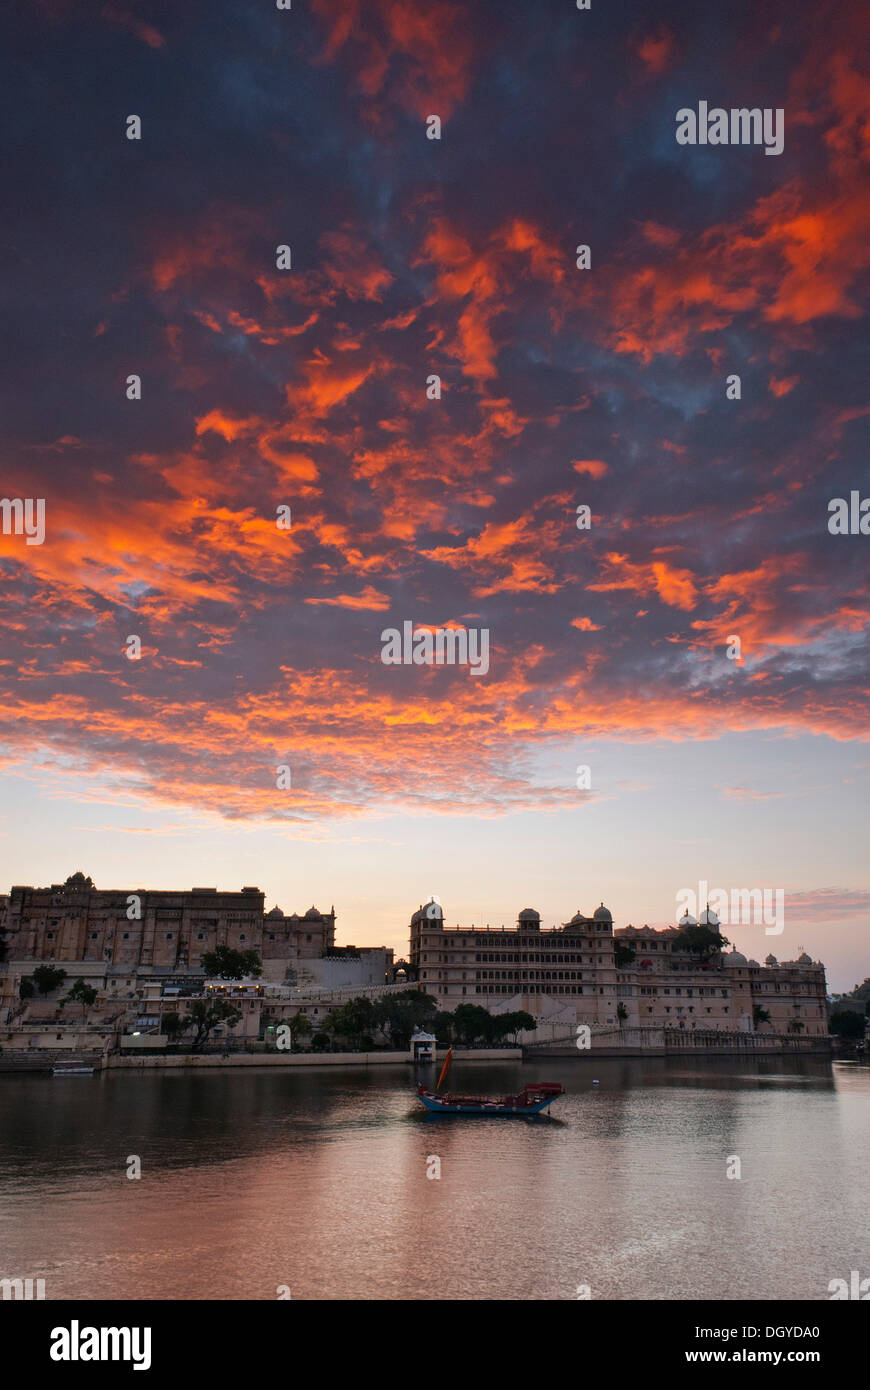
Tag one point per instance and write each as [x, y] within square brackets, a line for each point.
[734, 958]
[687, 920]
[709, 918]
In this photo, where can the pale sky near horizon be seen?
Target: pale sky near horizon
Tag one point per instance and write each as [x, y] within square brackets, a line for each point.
[744, 811]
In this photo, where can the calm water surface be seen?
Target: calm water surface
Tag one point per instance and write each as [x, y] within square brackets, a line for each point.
[317, 1180]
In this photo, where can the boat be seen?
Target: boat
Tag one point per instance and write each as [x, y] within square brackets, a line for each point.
[76, 1066]
[531, 1100]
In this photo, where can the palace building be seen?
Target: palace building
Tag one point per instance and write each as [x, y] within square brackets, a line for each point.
[136, 930]
[519, 967]
[583, 972]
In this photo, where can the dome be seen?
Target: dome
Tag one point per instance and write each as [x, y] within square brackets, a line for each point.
[804, 959]
[276, 912]
[529, 914]
[754, 964]
[602, 914]
[312, 915]
[687, 920]
[432, 912]
[734, 959]
[709, 918]
[577, 920]
[771, 960]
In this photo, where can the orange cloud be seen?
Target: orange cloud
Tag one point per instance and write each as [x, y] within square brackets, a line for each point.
[675, 587]
[370, 598]
[655, 51]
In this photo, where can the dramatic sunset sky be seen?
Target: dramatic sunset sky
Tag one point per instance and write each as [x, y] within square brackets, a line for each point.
[307, 388]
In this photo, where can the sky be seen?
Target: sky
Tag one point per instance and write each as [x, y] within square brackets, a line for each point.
[611, 647]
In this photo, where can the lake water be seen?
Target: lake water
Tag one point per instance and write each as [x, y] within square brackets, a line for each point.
[317, 1180]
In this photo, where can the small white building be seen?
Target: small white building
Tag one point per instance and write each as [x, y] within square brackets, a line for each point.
[423, 1047]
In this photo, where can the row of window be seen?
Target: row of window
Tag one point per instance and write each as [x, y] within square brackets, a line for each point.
[169, 936]
[548, 941]
[702, 990]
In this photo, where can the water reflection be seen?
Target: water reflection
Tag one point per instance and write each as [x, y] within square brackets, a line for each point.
[318, 1180]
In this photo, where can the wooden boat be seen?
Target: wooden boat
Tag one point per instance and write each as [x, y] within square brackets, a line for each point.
[531, 1100]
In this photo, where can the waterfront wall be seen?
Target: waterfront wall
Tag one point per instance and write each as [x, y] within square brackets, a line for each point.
[298, 1059]
[671, 1042]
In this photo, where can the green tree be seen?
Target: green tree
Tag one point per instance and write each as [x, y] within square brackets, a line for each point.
[701, 941]
[442, 1026]
[759, 1015]
[26, 988]
[517, 1021]
[796, 1025]
[621, 1012]
[205, 1016]
[300, 1027]
[81, 994]
[48, 977]
[399, 1015]
[320, 1042]
[472, 1022]
[224, 963]
[173, 1026]
[352, 1020]
[623, 954]
[847, 1023]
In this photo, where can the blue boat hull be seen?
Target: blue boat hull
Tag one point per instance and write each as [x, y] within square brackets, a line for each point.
[440, 1107]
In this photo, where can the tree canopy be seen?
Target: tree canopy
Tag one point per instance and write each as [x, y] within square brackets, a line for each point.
[224, 963]
[701, 941]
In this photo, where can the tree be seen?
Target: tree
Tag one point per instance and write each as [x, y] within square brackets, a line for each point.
[351, 1020]
[471, 1022]
[621, 1012]
[320, 1042]
[82, 994]
[47, 977]
[517, 1021]
[174, 1026]
[25, 988]
[442, 1026]
[226, 964]
[701, 941]
[401, 1014]
[205, 1016]
[300, 1026]
[795, 1025]
[623, 954]
[759, 1015]
[847, 1023]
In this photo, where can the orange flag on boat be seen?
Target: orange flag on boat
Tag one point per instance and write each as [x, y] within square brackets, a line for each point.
[447, 1061]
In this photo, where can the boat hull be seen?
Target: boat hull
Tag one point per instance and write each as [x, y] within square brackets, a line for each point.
[436, 1106]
